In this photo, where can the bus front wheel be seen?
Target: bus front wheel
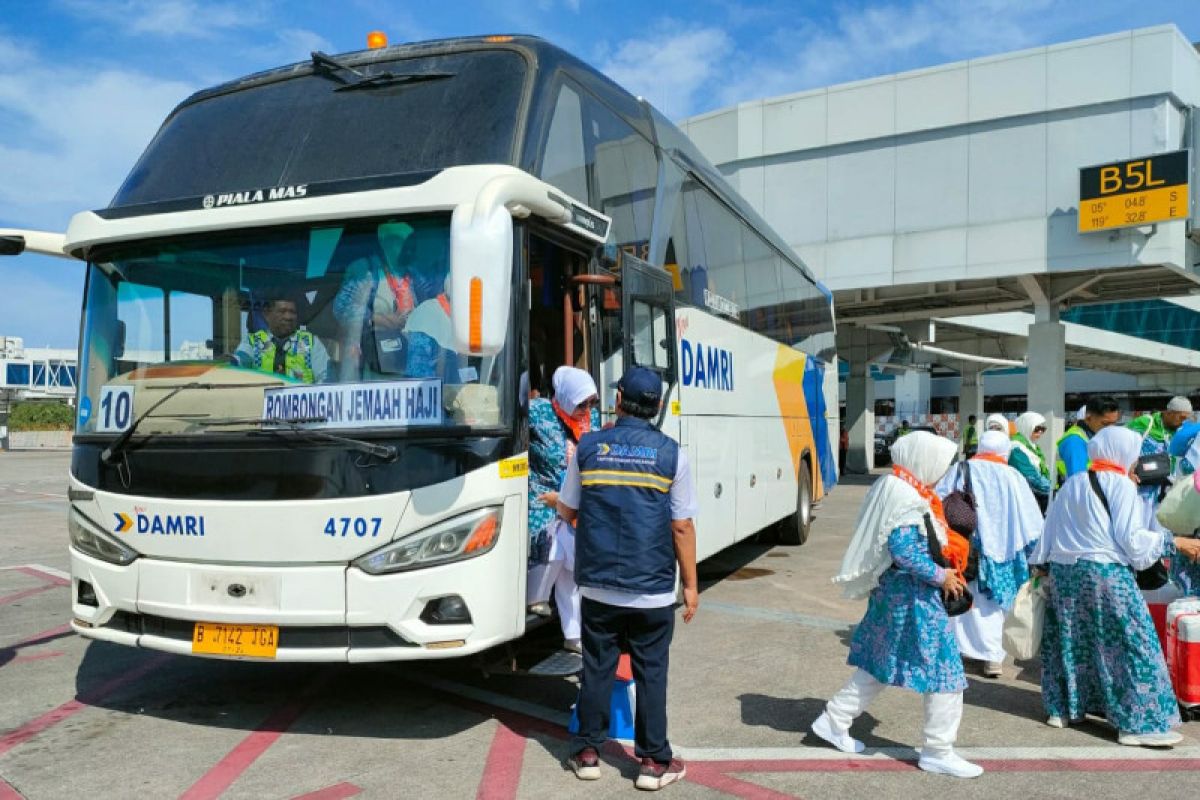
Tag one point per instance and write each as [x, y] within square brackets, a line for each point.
[794, 529]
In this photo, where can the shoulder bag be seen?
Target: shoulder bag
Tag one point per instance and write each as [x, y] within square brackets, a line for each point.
[954, 605]
[1152, 577]
[962, 515]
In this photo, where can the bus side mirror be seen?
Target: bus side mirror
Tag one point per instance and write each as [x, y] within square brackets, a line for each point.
[481, 258]
[12, 245]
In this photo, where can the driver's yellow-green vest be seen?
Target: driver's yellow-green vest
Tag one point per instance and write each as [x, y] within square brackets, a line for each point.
[298, 360]
[1061, 464]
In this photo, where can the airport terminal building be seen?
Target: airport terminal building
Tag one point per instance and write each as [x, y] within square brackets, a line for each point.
[1016, 225]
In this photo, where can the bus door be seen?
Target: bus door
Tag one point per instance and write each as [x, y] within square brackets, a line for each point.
[648, 312]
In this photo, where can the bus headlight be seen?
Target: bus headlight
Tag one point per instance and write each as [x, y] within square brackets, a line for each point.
[462, 537]
[87, 539]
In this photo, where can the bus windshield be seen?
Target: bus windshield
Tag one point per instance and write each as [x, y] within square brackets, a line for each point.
[323, 325]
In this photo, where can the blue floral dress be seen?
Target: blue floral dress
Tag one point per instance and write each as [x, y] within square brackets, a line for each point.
[1100, 654]
[905, 639]
[548, 454]
[1001, 580]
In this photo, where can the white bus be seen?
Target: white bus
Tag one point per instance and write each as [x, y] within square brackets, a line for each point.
[369, 503]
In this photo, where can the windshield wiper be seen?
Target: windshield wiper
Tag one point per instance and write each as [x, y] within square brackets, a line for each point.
[119, 443]
[329, 66]
[386, 452]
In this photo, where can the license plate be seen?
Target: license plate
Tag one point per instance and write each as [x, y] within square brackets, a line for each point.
[218, 638]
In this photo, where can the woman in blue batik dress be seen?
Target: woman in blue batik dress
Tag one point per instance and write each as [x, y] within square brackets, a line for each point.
[1100, 654]
[1009, 522]
[905, 639]
[555, 427]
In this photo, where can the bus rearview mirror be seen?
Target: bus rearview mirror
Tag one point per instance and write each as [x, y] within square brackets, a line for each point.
[481, 257]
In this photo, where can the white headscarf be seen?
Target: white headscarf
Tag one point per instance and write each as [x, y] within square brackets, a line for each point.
[892, 504]
[995, 442]
[1116, 445]
[997, 422]
[1027, 422]
[571, 387]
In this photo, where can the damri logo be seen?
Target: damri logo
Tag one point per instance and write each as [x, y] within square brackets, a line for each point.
[161, 524]
[706, 367]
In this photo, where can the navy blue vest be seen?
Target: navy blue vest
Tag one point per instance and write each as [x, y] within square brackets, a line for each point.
[623, 539]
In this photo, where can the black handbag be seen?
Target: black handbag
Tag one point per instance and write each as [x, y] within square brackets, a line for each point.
[1153, 470]
[1152, 577]
[954, 605]
[959, 505]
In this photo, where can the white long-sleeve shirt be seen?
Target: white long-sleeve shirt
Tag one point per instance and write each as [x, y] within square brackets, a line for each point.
[1078, 528]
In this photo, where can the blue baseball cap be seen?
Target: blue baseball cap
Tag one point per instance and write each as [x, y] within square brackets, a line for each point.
[641, 387]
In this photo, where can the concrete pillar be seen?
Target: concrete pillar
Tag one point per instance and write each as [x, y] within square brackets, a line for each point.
[970, 400]
[1047, 374]
[860, 417]
[912, 395]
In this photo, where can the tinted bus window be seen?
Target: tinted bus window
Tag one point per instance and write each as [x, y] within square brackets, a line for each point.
[564, 162]
[300, 130]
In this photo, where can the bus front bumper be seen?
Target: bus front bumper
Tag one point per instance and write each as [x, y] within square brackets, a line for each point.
[323, 613]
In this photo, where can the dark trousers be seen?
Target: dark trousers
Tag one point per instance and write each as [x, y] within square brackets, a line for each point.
[646, 633]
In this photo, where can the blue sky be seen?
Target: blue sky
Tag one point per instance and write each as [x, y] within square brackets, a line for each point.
[86, 82]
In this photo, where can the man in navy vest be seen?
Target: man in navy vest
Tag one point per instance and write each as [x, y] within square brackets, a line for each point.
[629, 492]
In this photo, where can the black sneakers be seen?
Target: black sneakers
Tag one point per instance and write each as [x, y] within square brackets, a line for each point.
[654, 776]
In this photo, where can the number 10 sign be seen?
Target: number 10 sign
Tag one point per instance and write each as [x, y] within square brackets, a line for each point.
[116, 409]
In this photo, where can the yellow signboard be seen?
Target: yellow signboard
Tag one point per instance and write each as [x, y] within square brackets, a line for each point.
[1136, 192]
[515, 467]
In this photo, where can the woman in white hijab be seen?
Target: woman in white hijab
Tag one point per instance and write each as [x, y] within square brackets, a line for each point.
[555, 427]
[1100, 654]
[997, 422]
[1027, 455]
[1009, 522]
[905, 638]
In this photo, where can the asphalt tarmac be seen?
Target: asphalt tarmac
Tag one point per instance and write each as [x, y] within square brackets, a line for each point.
[748, 676]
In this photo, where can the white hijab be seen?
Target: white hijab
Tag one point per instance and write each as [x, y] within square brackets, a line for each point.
[571, 387]
[1008, 514]
[996, 443]
[997, 422]
[892, 504]
[1117, 445]
[1027, 422]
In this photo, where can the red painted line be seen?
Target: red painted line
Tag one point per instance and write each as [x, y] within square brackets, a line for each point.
[12, 598]
[338, 791]
[72, 707]
[703, 775]
[7, 792]
[44, 577]
[37, 657]
[502, 770]
[40, 638]
[213, 783]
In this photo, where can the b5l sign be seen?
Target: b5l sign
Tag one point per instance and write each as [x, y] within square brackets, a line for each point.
[1140, 191]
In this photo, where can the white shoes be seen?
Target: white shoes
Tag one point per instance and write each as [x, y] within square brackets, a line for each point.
[993, 669]
[1056, 722]
[842, 741]
[1150, 739]
[949, 764]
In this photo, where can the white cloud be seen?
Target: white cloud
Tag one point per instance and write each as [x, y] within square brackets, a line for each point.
[685, 71]
[80, 130]
[294, 44]
[669, 69]
[173, 18]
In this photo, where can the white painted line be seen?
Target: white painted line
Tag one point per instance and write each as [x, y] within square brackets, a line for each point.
[1112, 752]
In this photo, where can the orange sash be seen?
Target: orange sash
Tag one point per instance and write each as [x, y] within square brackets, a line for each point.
[577, 427]
[1108, 466]
[995, 458]
[957, 548]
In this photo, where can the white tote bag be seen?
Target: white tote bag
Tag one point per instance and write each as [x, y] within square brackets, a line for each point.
[1023, 627]
[1180, 509]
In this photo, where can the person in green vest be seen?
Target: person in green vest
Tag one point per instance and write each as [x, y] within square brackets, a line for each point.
[1156, 431]
[1100, 412]
[282, 348]
[970, 437]
[1027, 456]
